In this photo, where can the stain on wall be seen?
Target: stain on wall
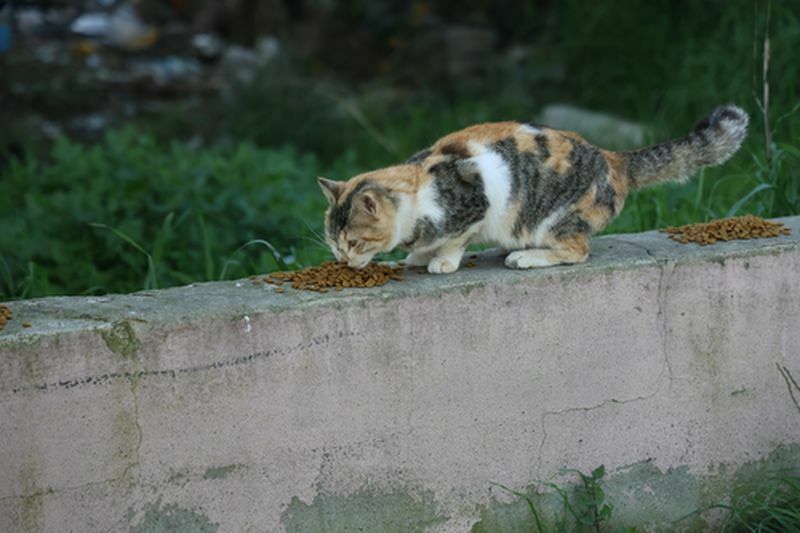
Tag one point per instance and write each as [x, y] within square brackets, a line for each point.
[392, 512]
[169, 518]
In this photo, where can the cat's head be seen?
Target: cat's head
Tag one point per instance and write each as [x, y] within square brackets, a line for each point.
[360, 220]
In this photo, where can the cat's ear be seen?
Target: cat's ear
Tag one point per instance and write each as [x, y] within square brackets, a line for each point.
[368, 201]
[332, 189]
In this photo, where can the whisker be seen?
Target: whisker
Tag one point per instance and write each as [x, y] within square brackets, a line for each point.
[318, 243]
[312, 230]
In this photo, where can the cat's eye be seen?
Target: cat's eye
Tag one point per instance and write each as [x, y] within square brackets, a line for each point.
[352, 244]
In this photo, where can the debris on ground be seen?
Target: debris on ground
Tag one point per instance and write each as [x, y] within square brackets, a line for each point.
[726, 229]
[5, 315]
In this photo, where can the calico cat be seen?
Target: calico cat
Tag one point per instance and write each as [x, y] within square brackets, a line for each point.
[535, 191]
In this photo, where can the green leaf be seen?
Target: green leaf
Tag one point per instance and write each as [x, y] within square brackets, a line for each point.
[599, 495]
[531, 507]
[789, 149]
[605, 513]
[746, 198]
[121, 235]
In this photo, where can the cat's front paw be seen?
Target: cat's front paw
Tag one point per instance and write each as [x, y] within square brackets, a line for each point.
[442, 265]
[416, 259]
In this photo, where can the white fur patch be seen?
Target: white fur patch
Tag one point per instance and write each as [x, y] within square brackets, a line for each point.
[527, 128]
[528, 259]
[426, 204]
[496, 178]
[403, 220]
[410, 209]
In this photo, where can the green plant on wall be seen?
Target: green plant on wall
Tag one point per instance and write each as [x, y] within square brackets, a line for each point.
[583, 507]
[766, 502]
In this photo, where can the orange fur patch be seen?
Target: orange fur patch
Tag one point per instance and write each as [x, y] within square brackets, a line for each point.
[526, 141]
[560, 148]
[480, 133]
[399, 178]
[596, 215]
[617, 177]
[573, 249]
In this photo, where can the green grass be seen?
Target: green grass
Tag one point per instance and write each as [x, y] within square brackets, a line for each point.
[765, 504]
[129, 214]
[768, 503]
[770, 506]
[141, 209]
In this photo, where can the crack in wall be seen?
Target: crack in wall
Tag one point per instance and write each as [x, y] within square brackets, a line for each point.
[791, 384]
[666, 268]
[136, 464]
[173, 372]
[584, 409]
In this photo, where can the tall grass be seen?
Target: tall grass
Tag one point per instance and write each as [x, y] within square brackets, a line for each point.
[771, 505]
[767, 503]
[675, 64]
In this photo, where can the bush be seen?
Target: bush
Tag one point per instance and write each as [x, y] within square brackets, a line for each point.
[128, 213]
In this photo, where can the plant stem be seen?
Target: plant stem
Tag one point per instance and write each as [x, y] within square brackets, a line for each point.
[765, 91]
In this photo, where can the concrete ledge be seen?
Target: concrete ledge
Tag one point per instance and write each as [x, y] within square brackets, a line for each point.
[228, 406]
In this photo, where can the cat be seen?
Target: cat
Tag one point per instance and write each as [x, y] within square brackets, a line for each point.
[537, 192]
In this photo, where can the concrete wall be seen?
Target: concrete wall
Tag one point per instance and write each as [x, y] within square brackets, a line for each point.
[229, 407]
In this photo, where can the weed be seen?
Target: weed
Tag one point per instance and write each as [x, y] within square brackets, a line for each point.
[769, 504]
[584, 506]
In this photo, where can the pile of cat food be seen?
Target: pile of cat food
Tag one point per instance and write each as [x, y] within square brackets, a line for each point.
[726, 229]
[333, 275]
[5, 315]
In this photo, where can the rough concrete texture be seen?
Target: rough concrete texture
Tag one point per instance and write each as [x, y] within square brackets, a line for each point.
[230, 407]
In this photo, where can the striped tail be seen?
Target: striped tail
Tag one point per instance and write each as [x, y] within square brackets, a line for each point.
[712, 142]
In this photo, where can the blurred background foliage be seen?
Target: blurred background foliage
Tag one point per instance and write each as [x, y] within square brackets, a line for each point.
[185, 147]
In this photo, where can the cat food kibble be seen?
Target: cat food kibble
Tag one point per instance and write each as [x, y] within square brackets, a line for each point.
[5, 315]
[726, 229]
[337, 276]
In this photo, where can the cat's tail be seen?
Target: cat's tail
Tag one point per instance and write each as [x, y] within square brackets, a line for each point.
[712, 142]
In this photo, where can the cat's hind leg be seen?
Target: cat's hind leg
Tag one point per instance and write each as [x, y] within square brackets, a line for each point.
[572, 249]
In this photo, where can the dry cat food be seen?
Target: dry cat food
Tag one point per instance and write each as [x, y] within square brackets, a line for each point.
[333, 275]
[726, 229]
[5, 315]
